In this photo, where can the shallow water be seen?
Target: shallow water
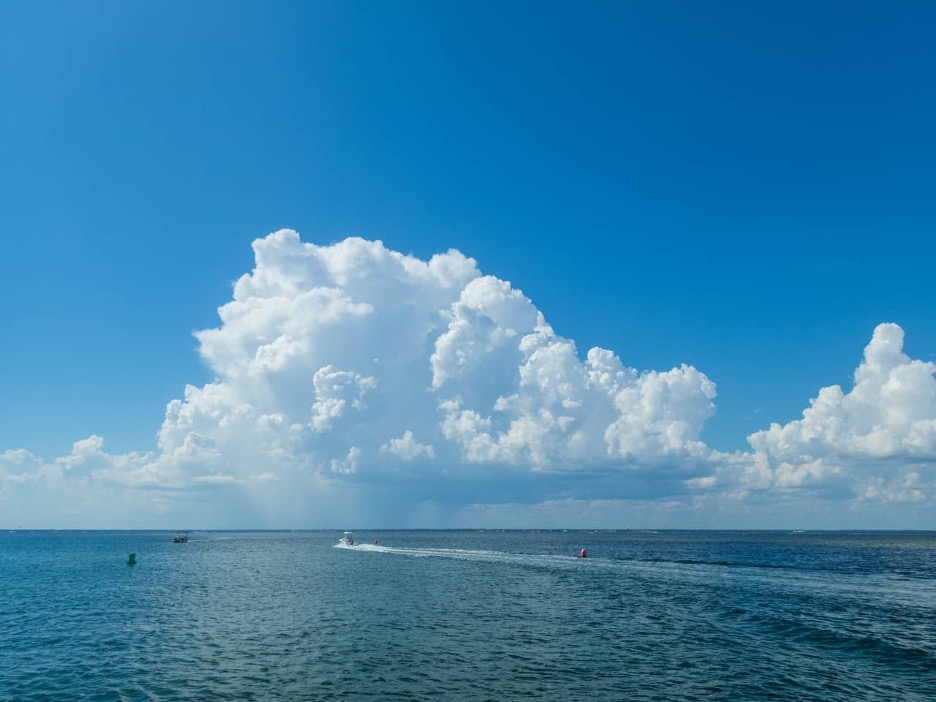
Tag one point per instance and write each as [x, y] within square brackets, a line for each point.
[468, 616]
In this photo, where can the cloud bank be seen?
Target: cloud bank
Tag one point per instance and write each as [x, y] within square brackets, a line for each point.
[358, 385]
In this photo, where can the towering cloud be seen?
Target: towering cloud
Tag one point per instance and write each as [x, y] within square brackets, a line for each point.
[350, 374]
[890, 413]
[345, 358]
[876, 442]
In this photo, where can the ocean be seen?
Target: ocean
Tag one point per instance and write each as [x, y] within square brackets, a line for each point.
[468, 615]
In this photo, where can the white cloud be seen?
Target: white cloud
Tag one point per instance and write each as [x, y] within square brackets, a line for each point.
[346, 465]
[875, 442]
[331, 361]
[407, 448]
[336, 391]
[890, 412]
[354, 346]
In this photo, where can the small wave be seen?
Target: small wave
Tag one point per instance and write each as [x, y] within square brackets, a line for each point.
[723, 564]
[914, 655]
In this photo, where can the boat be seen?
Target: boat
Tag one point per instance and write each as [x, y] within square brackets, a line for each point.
[347, 539]
[181, 538]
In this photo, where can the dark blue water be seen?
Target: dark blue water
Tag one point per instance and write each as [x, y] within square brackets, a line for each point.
[468, 616]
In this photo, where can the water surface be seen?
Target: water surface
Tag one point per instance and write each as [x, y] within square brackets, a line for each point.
[468, 615]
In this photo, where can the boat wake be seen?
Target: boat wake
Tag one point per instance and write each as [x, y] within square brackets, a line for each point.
[654, 568]
[464, 554]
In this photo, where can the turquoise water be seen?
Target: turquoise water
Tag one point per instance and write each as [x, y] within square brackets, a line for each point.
[457, 615]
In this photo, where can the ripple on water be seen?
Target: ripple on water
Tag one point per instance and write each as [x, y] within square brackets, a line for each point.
[452, 615]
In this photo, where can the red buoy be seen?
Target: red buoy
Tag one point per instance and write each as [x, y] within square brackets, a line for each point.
[583, 554]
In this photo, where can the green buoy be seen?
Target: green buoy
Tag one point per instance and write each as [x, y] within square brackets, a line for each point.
[132, 559]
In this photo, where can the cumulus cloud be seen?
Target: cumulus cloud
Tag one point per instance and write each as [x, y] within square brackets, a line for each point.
[407, 448]
[875, 442]
[335, 391]
[350, 374]
[345, 353]
[889, 413]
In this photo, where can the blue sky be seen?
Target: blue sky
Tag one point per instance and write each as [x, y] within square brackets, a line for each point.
[746, 190]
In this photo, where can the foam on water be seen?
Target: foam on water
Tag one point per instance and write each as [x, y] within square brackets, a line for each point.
[459, 553]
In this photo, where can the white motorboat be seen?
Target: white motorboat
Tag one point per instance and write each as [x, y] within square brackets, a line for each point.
[347, 539]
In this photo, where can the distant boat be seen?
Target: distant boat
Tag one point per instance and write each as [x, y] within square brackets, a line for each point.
[347, 539]
[181, 538]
